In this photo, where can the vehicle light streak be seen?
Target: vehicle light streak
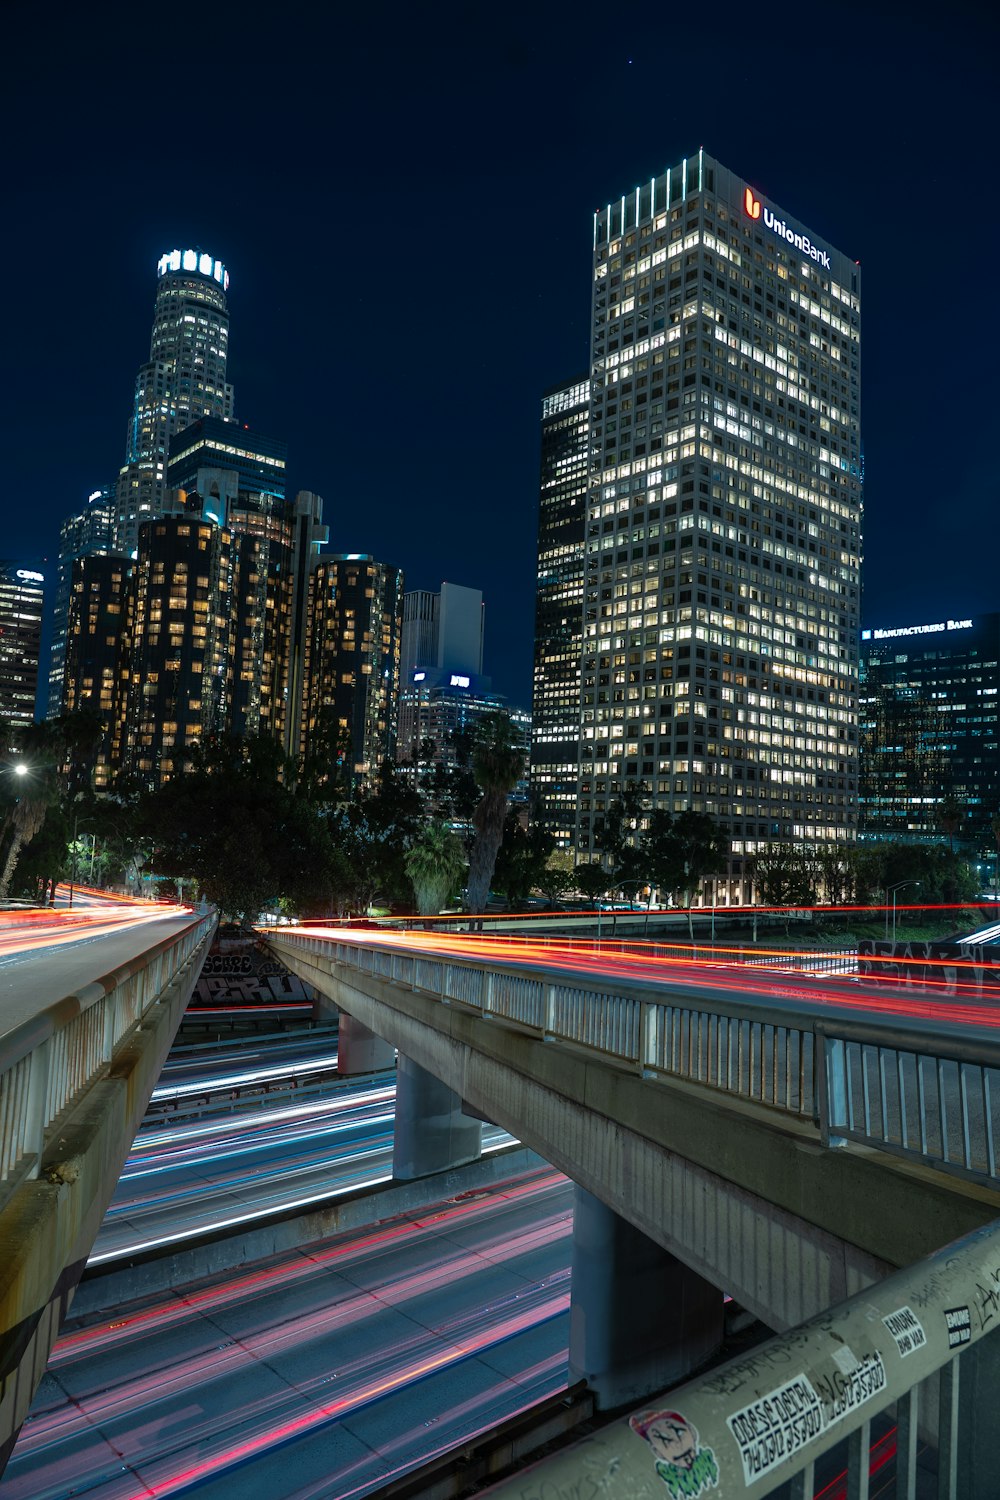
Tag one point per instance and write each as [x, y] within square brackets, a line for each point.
[169, 1426]
[741, 980]
[360, 1245]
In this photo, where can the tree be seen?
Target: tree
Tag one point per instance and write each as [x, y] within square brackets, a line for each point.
[33, 783]
[521, 858]
[435, 864]
[497, 763]
[784, 875]
[949, 816]
[704, 848]
[592, 880]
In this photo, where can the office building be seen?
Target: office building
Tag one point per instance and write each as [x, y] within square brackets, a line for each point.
[562, 510]
[350, 678]
[443, 630]
[21, 601]
[719, 664]
[88, 532]
[929, 728]
[183, 379]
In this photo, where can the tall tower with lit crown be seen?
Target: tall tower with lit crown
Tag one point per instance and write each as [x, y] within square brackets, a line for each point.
[183, 379]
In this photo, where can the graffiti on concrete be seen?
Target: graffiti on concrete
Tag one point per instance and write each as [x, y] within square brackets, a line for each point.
[240, 971]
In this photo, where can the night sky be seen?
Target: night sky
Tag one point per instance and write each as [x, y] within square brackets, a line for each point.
[404, 202]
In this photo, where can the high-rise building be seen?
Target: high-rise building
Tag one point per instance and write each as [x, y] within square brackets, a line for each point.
[95, 651]
[719, 664]
[239, 479]
[350, 678]
[21, 600]
[562, 510]
[177, 660]
[86, 533]
[443, 630]
[183, 379]
[930, 699]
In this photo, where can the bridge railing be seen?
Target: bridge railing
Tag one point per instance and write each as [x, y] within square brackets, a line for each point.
[47, 1061]
[909, 1088]
[873, 1386]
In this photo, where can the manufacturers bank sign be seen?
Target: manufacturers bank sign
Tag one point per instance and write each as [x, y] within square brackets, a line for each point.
[757, 210]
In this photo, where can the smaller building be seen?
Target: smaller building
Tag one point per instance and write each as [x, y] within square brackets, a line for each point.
[929, 727]
[21, 601]
[88, 532]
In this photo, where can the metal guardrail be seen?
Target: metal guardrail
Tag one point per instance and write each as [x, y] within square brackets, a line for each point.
[47, 1062]
[866, 1080]
[872, 1382]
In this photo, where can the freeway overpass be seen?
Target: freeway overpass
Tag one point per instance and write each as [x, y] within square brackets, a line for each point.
[90, 1001]
[790, 1141]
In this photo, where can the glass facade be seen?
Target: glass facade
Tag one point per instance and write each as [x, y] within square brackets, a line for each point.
[929, 727]
[723, 525]
[183, 379]
[562, 510]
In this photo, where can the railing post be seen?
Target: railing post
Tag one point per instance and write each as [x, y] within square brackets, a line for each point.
[38, 1092]
[831, 1079]
[549, 1013]
[948, 1395]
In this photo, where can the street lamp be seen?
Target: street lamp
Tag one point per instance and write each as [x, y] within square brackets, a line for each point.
[891, 891]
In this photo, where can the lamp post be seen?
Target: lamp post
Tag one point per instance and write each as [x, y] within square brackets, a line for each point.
[892, 890]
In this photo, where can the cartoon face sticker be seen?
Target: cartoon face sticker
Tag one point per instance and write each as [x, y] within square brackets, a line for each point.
[685, 1467]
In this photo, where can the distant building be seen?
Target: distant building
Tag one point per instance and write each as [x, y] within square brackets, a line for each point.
[562, 515]
[929, 727]
[350, 677]
[21, 601]
[437, 705]
[95, 656]
[236, 479]
[178, 661]
[443, 630]
[183, 379]
[87, 532]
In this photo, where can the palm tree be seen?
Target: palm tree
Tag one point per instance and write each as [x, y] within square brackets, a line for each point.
[950, 818]
[497, 762]
[434, 863]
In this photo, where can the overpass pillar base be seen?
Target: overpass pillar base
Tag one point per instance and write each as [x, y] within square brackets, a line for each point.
[432, 1133]
[640, 1320]
[360, 1050]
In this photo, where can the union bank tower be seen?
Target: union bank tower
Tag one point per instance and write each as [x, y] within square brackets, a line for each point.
[719, 667]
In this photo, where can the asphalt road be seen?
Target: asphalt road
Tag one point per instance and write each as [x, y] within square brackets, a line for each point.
[317, 1374]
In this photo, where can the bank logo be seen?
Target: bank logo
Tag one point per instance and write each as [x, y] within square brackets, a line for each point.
[777, 226]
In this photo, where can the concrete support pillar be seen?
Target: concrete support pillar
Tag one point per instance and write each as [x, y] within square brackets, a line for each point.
[360, 1050]
[640, 1320]
[432, 1133]
[977, 1453]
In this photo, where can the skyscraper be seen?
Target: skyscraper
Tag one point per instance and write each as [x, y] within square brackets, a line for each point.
[21, 598]
[562, 510]
[183, 379]
[350, 677]
[930, 727]
[86, 533]
[719, 663]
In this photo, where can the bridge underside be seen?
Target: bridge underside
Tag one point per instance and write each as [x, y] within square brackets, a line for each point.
[49, 1224]
[751, 1201]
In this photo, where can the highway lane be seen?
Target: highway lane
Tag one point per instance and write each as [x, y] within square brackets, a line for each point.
[702, 970]
[48, 954]
[196, 1176]
[318, 1373]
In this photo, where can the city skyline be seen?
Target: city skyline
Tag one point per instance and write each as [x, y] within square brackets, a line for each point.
[382, 355]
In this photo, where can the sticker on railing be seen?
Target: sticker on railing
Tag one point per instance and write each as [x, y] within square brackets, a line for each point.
[906, 1329]
[959, 1325]
[774, 1427]
[777, 1425]
[686, 1468]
